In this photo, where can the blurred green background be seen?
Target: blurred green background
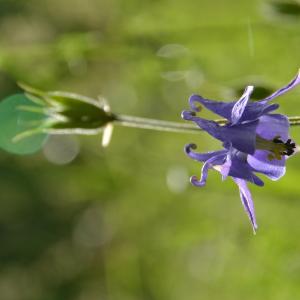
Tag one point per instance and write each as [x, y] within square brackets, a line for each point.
[81, 222]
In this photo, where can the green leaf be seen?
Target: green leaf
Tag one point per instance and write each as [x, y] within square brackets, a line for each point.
[15, 121]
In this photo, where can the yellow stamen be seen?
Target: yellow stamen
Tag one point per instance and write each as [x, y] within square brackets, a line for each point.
[276, 147]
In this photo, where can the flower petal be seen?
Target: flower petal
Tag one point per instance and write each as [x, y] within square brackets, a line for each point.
[252, 110]
[274, 169]
[239, 107]
[247, 201]
[188, 149]
[211, 127]
[240, 136]
[220, 108]
[210, 163]
[243, 171]
[236, 165]
[256, 109]
[283, 90]
[273, 125]
[268, 108]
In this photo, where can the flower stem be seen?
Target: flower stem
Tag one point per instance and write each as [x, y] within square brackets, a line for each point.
[161, 125]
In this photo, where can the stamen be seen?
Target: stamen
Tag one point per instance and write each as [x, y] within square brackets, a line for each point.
[276, 147]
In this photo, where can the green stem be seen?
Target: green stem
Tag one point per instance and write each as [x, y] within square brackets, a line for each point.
[170, 126]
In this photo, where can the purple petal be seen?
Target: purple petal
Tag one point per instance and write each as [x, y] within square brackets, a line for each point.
[256, 109]
[273, 125]
[252, 110]
[257, 180]
[210, 163]
[268, 108]
[243, 171]
[220, 108]
[247, 201]
[210, 127]
[225, 168]
[236, 166]
[241, 136]
[274, 169]
[239, 107]
[201, 156]
[283, 90]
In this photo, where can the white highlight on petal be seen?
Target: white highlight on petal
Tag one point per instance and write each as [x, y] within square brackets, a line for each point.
[218, 168]
[239, 107]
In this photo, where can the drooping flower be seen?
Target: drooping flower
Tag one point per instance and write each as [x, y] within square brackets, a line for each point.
[255, 140]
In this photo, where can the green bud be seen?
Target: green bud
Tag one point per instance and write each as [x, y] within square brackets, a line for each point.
[70, 113]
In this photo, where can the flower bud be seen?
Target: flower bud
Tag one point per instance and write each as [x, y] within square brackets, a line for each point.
[68, 112]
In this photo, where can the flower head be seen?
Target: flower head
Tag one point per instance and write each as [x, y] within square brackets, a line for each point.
[255, 140]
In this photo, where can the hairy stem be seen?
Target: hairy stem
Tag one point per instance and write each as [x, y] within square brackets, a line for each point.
[161, 125]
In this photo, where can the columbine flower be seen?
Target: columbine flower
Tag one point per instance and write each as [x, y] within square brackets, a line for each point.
[254, 140]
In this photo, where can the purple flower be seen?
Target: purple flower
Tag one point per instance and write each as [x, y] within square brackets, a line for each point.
[254, 140]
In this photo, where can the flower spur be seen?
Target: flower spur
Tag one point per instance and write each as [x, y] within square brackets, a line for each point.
[255, 140]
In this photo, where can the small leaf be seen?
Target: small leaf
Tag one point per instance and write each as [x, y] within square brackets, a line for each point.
[31, 90]
[15, 121]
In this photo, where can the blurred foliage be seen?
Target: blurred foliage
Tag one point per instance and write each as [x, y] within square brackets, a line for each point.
[286, 8]
[123, 222]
